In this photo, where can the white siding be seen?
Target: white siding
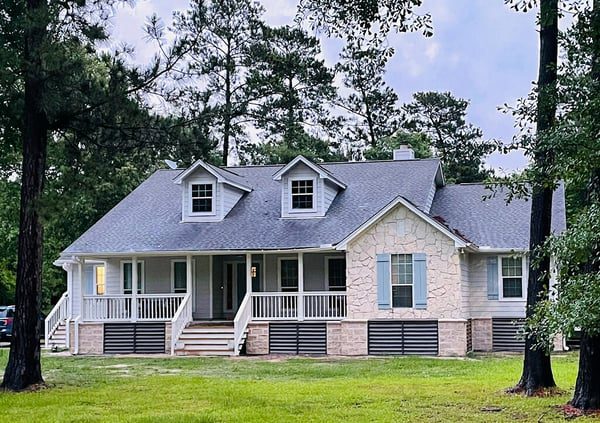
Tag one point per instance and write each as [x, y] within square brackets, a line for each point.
[113, 276]
[76, 292]
[202, 288]
[464, 284]
[479, 304]
[201, 177]
[231, 196]
[329, 193]
[301, 171]
[430, 196]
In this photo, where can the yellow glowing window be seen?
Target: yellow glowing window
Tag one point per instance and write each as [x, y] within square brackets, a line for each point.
[100, 281]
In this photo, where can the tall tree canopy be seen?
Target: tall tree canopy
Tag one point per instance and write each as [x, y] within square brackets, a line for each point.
[220, 35]
[296, 90]
[458, 144]
[372, 104]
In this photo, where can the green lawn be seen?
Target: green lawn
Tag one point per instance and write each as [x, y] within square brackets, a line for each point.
[291, 390]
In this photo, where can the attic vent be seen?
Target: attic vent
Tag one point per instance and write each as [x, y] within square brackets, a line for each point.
[404, 153]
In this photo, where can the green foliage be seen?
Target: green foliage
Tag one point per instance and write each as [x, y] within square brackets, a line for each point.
[370, 19]
[384, 149]
[458, 144]
[372, 104]
[220, 36]
[295, 88]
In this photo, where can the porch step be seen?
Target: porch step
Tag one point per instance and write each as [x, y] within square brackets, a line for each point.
[206, 339]
[58, 337]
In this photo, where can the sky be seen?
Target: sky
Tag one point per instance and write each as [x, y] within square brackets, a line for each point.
[481, 50]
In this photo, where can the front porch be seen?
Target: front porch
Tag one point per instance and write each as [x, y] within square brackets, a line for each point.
[178, 290]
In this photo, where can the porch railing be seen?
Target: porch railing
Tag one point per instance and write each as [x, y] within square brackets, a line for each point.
[180, 320]
[58, 314]
[299, 306]
[240, 323]
[119, 307]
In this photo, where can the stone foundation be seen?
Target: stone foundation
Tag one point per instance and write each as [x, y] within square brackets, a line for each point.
[168, 338]
[91, 338]
[353, 337]
[452, 338]
[334, 338]
[257, 342]
[482, 335]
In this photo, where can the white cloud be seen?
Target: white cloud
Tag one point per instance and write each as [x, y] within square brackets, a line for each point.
[432, 50]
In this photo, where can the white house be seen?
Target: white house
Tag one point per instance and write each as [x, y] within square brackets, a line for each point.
[376, 257]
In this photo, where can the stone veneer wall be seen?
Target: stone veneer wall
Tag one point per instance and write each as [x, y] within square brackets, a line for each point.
[353, 337]
[168, 338]
[482, 334]
[91, 338]
[257, 342]
[403, 232]
[452, 337]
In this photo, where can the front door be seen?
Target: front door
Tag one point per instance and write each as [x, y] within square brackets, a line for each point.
[235, 284]
[234, 287]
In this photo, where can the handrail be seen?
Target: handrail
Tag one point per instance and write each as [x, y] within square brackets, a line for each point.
[307, 305]
[55, 317]
[122, 307]
[240, 322]
[181, 318]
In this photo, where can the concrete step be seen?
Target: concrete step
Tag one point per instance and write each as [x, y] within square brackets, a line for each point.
[214, 347]
[212, 329]
[185, 336]
[203, 353]
[204, 341]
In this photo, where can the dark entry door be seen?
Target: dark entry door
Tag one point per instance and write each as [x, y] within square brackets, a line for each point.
[240, 284]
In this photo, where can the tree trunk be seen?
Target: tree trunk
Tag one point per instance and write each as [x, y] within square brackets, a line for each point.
[587, 387]
[537, 368]
[24, 368]
[228, 108]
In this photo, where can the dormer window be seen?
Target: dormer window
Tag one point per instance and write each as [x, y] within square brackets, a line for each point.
[303, 193]
[202, 198]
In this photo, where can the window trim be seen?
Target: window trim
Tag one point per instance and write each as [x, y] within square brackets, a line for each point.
[412, 307]
[190, 199]
[142, 283]
[279, 260]
[291, 209]
[524, 277]
[173, 261]
[327, 284]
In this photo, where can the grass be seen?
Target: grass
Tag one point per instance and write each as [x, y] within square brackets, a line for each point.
[84, 389]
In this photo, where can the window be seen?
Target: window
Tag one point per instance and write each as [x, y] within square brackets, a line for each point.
[336, 274]
[202, 198]
[288, 275]
[179, 276]
[402, 280]
[512, 277]
[126, 276]
[303, 194]
[100, 280]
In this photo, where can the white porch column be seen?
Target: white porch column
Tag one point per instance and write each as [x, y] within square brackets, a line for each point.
[134, 288]
[300, 286]
[81, 287]
[189, 269]
[248, 273]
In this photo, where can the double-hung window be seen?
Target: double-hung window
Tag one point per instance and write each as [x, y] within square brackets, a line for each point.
[179, 275]
[402, 280]
[288, 275]
[202, 198]
[127, 276]
[100, 279]
[511, 273]
[336, 274]
[303, 192]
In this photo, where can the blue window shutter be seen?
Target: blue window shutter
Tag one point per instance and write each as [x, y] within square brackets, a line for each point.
[384, 287]
[492, 278]
[420, 280]
[89, 280]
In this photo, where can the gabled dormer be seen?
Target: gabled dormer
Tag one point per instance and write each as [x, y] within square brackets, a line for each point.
[208, 192]
[307, 189]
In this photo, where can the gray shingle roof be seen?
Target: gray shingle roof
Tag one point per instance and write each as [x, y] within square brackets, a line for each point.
[149, 219]
[492, 222]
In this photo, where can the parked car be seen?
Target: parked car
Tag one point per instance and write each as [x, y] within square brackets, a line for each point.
[7, 314]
